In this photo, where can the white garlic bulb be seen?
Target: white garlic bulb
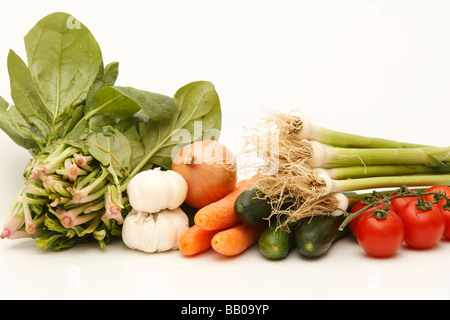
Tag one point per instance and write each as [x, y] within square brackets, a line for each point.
[154, 232]
[155, 190]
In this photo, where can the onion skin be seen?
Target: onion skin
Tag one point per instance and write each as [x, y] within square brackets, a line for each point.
[209, 169]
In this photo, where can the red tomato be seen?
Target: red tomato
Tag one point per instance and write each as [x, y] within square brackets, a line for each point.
[398, 203]
[440, 188]
[447, 223]
[356, 207]
[355, 221]
[446, 190]
[380, 237]
[423, 228]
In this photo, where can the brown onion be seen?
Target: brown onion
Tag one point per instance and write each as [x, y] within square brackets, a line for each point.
[209, 169]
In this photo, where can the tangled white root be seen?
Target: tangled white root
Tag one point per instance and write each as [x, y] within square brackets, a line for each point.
[292, 187]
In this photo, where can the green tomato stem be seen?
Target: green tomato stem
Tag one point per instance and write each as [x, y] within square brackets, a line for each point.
[400, 193]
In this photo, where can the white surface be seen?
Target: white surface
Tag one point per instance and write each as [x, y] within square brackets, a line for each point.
[345, 272]
[370, 67]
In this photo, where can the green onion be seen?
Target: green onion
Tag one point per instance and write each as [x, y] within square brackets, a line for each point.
[412, 180]
[322, 156]
[301, 128]
[352, 172]
[306, 164]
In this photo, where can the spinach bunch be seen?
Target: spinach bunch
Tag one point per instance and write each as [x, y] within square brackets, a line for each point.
[86, 136]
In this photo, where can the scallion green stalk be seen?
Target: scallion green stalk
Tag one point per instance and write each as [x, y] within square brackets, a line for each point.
[323, 156]
[352, 172]
[413, 180]
[348, 140]
[303, 129]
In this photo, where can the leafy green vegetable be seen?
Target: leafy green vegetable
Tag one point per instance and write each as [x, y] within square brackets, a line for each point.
[88, 137]
[112, 149]
[63, 63]
[13, 124]
[196, 102]
[26, 97]
[123, 102]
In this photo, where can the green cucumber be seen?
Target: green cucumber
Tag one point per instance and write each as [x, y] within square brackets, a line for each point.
[314, 236]
[251, 207]
[276, 242]
[190, 212]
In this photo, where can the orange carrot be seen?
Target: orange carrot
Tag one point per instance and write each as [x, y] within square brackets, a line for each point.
[233, 241]
[195, 240]
[220, 214]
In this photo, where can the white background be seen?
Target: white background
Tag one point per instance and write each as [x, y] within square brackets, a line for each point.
[372, 67]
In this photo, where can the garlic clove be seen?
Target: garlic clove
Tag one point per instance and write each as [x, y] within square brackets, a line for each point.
[165, 228]
[177, 183]
[148, 234]
[130, 230]
[164, 192]
[137, 190]
[171, 224]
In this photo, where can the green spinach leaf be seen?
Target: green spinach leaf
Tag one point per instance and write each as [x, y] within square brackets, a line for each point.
[123, 102]
[26, 98]
[12, 123]
[63, 59]
[198, 115]
[111, 73]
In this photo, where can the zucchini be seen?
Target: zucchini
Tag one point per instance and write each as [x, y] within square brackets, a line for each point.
[314, 236]
[275, 243]
[251, 208]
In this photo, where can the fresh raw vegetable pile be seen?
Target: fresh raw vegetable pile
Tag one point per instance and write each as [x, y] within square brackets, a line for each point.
[305, 184]
[316, 168]
[115, 161]
[381, 221]
[87, 137]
